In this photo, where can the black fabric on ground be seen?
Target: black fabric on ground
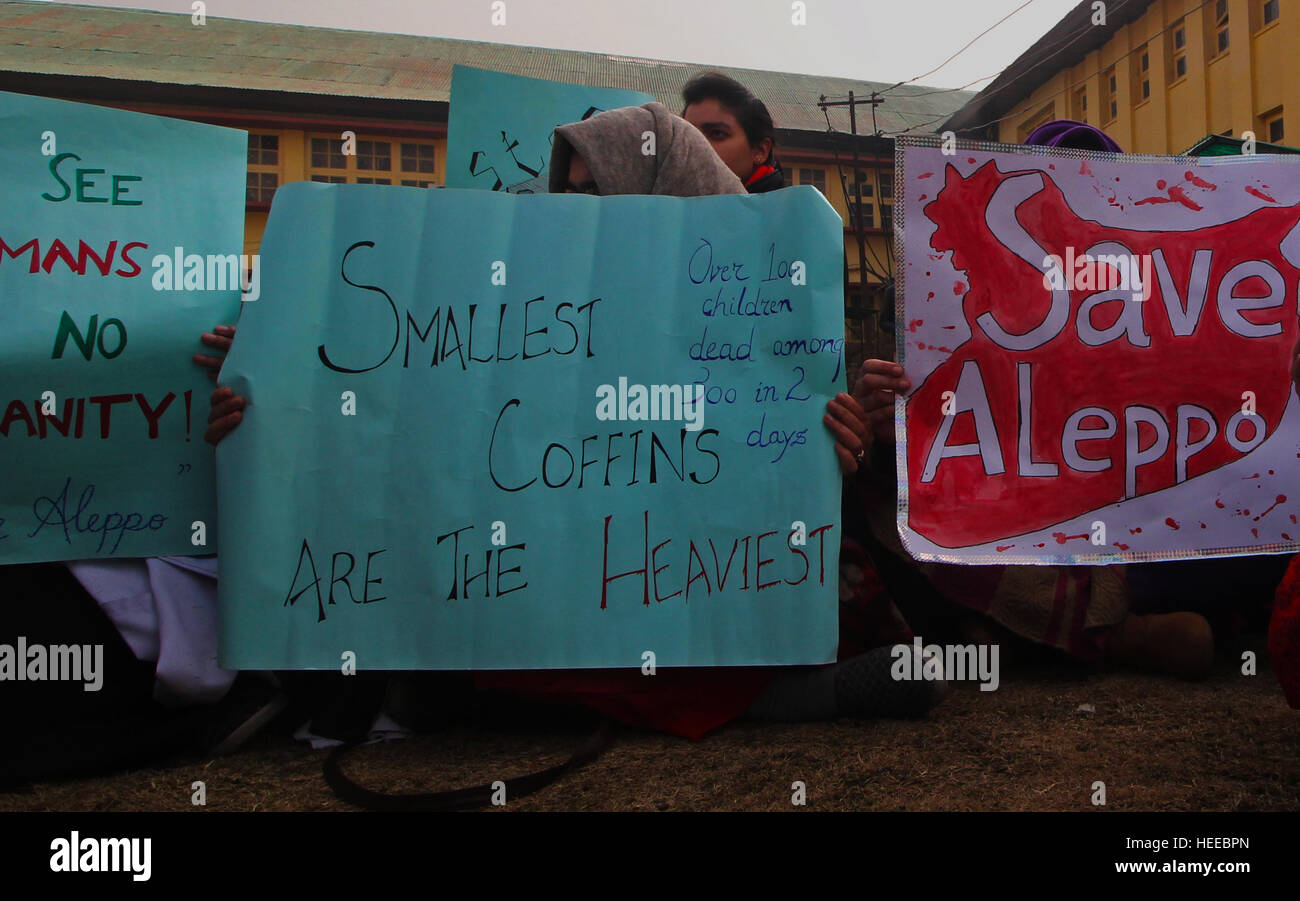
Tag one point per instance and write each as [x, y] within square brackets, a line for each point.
[58, 729]
[1230, 592]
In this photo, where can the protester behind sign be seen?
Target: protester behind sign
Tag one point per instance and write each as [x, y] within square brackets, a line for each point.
[738, 126]
[606, 155]
[600, 156]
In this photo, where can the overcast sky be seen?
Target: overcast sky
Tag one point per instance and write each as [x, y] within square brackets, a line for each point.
[872, 40]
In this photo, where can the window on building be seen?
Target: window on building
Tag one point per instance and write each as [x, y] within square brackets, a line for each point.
[886, 184]
[814, 177]
[1142, 75]
[1273, 129]
[373, 162]
[1110, 99]
[856, 182]
[887, 217]
[1220, 28]
[263, 167]
[263, 150]
[417, 159]
[327, 153]
[868, 214]
[374, 156]
[1271, 11]
[1079, 105]
[1045, 114]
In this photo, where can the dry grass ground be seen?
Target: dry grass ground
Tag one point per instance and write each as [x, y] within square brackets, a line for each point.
[1228, 743]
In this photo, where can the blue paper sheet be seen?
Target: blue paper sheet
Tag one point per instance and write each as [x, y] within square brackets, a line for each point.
[433, 471]
[499, 128]
[102, 410]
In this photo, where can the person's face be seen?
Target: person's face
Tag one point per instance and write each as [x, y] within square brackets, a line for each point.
[718, 124]
[580, 179]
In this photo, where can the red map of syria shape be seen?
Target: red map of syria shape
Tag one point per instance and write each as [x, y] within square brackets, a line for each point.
[1088, 396]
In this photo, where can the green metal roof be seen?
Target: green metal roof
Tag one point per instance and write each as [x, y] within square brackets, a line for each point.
[90, 41]
[1222, 145]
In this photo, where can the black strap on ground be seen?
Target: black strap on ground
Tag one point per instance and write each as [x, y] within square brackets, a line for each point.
[461, 798]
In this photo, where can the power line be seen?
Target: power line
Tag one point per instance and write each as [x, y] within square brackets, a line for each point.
[1048, 53]
[855, 213]
[962, 50]
[1099, 70]
[954, 90]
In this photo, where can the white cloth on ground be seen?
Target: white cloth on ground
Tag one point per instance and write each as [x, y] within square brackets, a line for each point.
[165, 608]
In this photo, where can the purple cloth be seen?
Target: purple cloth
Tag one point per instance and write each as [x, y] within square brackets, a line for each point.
[1075, 135]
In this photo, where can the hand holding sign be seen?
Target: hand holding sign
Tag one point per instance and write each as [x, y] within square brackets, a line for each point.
[880, 382]
[219, 338]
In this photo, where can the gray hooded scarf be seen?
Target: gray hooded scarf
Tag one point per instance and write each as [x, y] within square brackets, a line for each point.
[684, 164]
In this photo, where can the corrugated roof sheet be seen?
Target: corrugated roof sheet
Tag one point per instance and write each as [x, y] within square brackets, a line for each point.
[91, 41]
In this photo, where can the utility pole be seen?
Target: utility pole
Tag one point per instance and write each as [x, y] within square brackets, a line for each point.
[852, 103]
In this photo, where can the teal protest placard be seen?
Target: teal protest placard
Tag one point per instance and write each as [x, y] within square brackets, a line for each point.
[120, 245]
[499, 126]
[471, 439]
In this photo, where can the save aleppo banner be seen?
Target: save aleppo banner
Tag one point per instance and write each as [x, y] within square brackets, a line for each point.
[1099, 349]
[497, 431]
[500, 126]
[120, 244]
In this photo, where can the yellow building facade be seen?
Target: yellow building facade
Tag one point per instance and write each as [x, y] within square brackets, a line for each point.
[1182, 70]
[398, 153]
[277, 156]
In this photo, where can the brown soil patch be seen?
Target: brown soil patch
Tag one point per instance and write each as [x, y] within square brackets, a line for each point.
[1228, 743]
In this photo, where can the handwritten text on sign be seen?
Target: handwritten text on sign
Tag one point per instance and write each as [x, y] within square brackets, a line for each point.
[1101, 350]
[489, 431]
[100, 439]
